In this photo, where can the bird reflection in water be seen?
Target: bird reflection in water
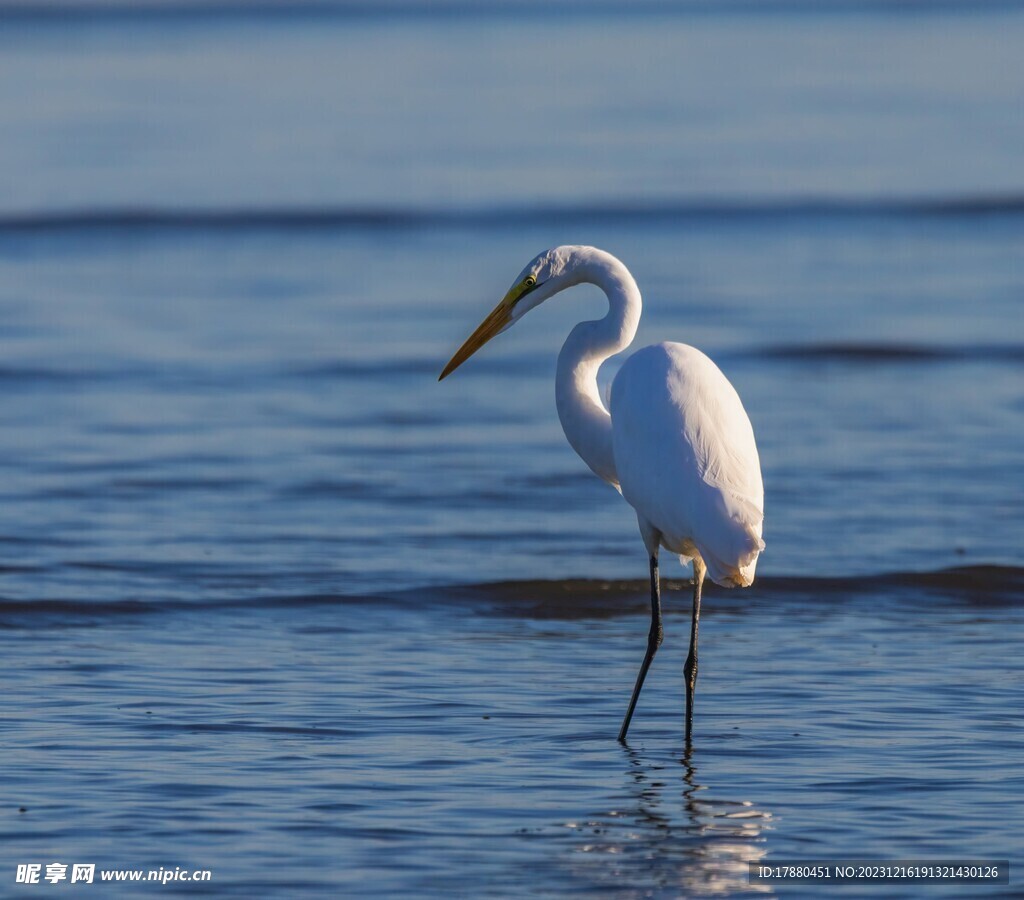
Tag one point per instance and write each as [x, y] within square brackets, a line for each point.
[669, 836]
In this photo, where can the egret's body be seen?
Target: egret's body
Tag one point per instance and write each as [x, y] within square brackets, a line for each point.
[676, 442]
[687, 460]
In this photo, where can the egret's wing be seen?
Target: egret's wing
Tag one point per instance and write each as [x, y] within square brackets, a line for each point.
[686, 458]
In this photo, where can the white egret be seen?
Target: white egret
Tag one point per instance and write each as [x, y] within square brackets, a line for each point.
[676, 442]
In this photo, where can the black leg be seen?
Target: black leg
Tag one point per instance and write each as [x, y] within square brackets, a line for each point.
[653, 643]
[690, 666]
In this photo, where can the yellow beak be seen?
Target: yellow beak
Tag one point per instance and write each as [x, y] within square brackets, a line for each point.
[497, 321]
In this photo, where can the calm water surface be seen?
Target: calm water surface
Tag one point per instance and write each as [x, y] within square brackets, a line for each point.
[276, 604]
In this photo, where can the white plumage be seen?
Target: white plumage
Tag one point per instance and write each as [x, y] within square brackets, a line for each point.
[676, 442]
[686, 459]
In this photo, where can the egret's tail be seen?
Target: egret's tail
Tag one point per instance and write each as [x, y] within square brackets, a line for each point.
[738, 571]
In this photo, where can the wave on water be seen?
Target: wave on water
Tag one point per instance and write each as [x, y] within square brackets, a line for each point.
[86, 11]
[158, 376]
[980, 586]
[870, 352]
[143, 219]
[849, 352]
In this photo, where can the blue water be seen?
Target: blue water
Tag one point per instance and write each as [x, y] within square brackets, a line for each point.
[276, 604]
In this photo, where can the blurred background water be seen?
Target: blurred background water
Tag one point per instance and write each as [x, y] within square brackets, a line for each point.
[275, 603]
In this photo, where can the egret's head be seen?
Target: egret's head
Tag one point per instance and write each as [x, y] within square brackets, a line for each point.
[544, 276]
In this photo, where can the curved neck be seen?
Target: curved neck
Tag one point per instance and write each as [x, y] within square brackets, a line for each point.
[584, 417]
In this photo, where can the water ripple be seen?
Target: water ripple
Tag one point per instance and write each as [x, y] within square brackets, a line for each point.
[703, 210]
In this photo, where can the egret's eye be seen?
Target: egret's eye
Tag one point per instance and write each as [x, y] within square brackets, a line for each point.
[530, 281]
